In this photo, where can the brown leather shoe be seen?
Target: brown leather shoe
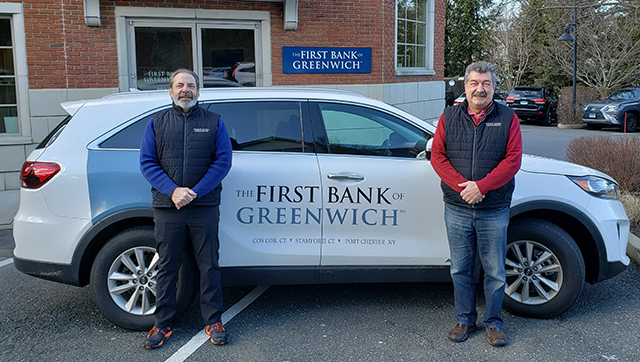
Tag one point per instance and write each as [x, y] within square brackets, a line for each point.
[496, 337]
[460, 332]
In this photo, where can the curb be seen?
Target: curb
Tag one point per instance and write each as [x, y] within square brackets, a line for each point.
[633, 248]
[571, 125]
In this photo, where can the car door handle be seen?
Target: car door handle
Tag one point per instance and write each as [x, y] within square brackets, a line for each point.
[341, 176]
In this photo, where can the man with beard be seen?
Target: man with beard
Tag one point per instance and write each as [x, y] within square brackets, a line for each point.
[185, 154]
[477, 150]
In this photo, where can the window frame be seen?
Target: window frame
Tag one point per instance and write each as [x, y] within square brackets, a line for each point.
[259, 21]
[14, 12]
[428, 69]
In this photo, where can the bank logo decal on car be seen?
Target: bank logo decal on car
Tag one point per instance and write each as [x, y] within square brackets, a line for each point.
[353, 196]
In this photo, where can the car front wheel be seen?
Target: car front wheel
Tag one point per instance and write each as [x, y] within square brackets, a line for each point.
[544, 269]
[123, 279]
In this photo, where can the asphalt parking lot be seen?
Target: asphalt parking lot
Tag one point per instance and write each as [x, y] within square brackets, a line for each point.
[41, 320]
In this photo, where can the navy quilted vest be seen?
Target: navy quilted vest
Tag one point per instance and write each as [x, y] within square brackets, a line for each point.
[186, 145]
[476, 150]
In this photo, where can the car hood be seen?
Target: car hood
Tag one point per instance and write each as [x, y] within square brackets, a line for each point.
[605, 102]
[537, 164]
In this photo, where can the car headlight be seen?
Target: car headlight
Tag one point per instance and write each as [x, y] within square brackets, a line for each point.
[611, 107]
[597, 186]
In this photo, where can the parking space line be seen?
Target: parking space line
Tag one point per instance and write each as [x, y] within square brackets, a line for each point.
[199, 339]
[6, 262]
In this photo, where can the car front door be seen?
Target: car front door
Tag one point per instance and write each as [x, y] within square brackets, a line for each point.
[382, 203]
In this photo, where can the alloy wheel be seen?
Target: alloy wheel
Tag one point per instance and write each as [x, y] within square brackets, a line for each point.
[132, 280]
[534, 273]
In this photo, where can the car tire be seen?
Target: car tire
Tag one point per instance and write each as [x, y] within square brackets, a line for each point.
[127, 299]
[544, 268]
[632, 122]
[546, 121]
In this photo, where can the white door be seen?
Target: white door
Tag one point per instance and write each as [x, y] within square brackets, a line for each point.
[273, 189]
[382, 200]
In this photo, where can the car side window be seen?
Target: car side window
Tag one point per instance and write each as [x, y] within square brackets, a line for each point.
[128, 138]
[263, 126]
[364, 131]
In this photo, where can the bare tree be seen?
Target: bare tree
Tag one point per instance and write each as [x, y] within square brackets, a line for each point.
[512, 41]
[608, 46]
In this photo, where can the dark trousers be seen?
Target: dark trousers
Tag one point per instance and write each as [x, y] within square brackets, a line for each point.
[199, 225]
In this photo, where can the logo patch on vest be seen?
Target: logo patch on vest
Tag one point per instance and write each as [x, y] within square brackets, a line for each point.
[201, 130]
[494, 124]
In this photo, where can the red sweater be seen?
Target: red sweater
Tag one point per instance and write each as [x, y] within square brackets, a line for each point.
[497, 178]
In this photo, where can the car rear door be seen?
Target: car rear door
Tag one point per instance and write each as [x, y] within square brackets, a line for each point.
[273, 181]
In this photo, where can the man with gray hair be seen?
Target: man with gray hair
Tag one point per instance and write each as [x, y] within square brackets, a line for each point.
[477, 150]
[186, 200]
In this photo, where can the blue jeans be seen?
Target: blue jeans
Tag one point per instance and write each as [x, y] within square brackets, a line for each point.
[484, 230]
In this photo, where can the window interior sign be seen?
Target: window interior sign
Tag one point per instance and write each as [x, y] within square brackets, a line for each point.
[305, 60]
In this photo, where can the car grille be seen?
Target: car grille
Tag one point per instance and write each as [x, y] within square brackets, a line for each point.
[593, 112]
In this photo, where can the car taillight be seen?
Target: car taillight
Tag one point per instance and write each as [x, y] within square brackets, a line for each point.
[35, 174]
[510, 99]
[540, 101]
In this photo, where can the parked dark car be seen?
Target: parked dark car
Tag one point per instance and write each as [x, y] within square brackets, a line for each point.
[533, 103]
[619, 109]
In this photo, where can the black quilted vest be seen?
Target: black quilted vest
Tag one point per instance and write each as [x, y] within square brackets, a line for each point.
[186, 146]
[476, 150]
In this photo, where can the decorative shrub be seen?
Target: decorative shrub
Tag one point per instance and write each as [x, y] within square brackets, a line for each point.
[631, 204]
[584, 96]
[618, 157]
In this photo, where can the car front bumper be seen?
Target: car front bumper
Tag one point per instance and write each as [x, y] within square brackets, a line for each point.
[603, 118]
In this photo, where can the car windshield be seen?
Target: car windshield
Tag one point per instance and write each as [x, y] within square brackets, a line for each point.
[625, 94]
[526, 93]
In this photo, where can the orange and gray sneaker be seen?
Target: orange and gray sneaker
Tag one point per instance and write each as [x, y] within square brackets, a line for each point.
[217, 333]
[157, 336]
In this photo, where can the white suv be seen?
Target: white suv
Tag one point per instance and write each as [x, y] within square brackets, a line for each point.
[326, 187]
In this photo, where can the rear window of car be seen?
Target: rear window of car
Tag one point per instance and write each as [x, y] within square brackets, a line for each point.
[128, 138]
[526, 93]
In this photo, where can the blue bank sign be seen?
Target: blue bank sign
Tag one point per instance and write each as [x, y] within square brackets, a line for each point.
[302, 60]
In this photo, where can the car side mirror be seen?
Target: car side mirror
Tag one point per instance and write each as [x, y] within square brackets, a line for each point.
[427, 149]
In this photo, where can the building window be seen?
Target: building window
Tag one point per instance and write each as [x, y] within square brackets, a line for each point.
[8, 96]
[226, 48]
[14, 93]
[222, 54]
[414, 36]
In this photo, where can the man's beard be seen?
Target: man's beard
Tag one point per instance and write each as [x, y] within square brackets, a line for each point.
[185, 103]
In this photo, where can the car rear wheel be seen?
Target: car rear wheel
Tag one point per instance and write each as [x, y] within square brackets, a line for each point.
[632, 122]
[544, 268]
[123, 279]
[546, 120]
